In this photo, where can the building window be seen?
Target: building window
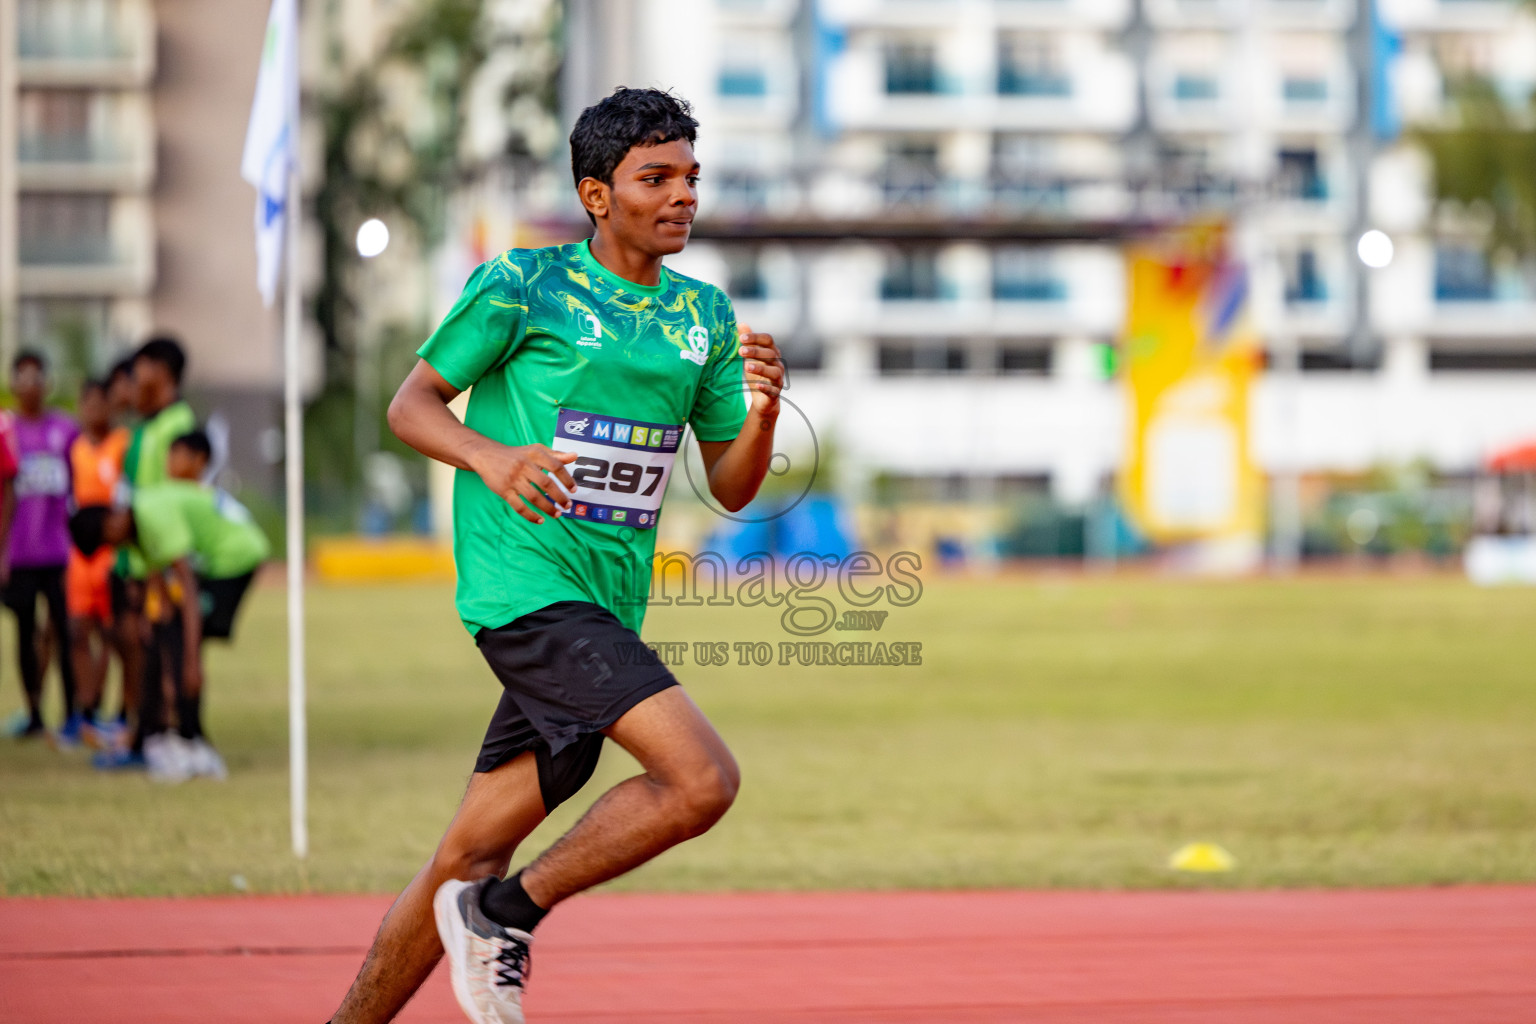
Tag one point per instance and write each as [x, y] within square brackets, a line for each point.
[54, 125]
[1190, 87]
[1303, 280]
[1023, 359]
[1483, 361]
[1024, 173]
[1299, 175]
[744, 275]
[1031, 66]
[740, 82]
[1462, 274]
[1026, 275]
[736, 191]
[1304, 90]
[72, 329]
[912, 172]
[72, 29]
[901, 358]
[912, 276]
[911, 68]
[64, 229]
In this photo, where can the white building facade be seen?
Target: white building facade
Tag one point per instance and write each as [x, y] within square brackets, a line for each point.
[927, 202]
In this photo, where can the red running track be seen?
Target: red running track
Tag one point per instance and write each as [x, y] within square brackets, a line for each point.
[1461, 955]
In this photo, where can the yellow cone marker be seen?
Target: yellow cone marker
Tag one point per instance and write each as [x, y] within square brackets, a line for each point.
[1203, 857]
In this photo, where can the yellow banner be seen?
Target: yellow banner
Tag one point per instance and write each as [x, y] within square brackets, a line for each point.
[1190, 355]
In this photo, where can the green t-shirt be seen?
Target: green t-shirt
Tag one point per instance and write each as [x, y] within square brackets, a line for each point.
[550, 340]
[179, 519]
[144, 464]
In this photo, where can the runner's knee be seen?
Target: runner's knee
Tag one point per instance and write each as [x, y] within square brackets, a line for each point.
[706, 793]
[468, 858]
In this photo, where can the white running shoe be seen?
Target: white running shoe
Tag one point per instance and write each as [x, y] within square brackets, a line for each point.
[488, 963]
[165, 755]
[203, 761]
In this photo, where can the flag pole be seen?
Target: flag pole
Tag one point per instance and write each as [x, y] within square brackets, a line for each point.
[293, 437]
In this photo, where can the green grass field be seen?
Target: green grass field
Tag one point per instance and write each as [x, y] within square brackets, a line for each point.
[1061, 731]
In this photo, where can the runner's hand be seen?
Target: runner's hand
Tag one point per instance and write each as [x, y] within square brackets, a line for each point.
[764, 371]
[526, 475]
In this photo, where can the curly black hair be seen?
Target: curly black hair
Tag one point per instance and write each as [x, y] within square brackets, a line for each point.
[610, 128]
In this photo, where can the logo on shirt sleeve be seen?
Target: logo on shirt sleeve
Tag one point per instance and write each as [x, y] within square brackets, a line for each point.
[698, 345]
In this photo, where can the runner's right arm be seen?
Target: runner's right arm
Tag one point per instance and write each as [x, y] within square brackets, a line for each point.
[419, 416]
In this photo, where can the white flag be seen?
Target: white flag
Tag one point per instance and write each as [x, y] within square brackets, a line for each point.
[271, 140]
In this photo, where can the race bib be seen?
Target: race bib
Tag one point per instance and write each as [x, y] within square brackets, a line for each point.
[621, 469]
[42, 473]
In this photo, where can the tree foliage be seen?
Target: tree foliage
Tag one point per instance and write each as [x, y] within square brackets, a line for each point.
[396, 144]
[1484, 164]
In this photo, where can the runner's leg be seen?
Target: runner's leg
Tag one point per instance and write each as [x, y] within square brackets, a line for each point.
[58, 619]
[499, 809]
[21, 595]
[690, 780]
[90, 661]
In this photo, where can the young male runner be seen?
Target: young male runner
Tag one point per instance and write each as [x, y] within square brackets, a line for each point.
[96, 462]
[211, 549]
[586, 363]
[39, 538]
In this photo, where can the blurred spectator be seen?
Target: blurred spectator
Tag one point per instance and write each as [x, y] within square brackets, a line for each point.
[202, 551]
[39, 538]
[157, 370]
[96, 461]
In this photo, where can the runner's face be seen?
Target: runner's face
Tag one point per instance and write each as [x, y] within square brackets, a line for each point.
[121, 394]
[182, 463]
[149, 378]
[654, 196]
[95, 413]
[27, 384]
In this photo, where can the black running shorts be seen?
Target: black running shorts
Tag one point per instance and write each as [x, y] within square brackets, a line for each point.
[568, 671]
[220, 601]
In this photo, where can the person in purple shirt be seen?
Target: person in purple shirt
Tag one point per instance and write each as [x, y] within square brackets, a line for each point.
[38, 547]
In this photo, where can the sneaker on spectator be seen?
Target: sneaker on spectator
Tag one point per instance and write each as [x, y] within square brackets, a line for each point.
[69, 734]
[165, 754]
[108, 735]
[204, 761]
[23, 726]
[118, 761]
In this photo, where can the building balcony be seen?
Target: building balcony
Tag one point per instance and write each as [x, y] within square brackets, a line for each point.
[1474, 16]
[756, 13]
[85, 246]
[888, 14]
[87, 269]
[107, 44]
[1308, 15]
[79, 163]
[1106, 15]
[1483, 319]
[1096, 92]
[1195, 14]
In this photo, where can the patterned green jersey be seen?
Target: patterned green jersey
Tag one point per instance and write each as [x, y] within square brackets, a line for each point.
[556, 349]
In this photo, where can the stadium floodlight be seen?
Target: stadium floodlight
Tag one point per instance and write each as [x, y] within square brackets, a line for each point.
[372, 238]
[1374, 249]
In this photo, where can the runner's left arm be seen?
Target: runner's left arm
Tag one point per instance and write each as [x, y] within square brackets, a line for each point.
[736, 468]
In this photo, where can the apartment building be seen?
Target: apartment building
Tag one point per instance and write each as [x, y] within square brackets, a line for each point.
[927, 201]
[121, 125]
